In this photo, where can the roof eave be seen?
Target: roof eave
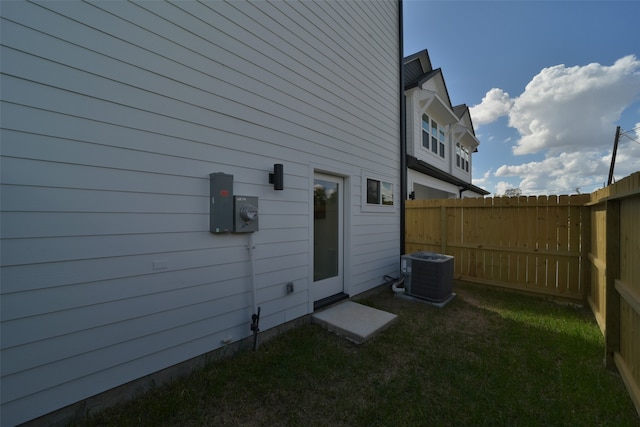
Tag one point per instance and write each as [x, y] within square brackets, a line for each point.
[425, 168]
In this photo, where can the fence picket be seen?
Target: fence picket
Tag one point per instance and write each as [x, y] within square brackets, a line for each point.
[531, 226]
[562, 239]
[511, 238]
[520, 237]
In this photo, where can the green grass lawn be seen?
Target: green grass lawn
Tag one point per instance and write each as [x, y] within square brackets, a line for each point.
[488, 358]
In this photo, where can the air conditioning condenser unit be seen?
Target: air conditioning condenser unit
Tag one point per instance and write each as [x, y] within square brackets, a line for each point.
[428, 275]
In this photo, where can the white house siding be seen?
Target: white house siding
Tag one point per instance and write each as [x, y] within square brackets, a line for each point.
[113, 116]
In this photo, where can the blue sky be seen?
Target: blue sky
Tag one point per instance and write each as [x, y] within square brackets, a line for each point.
[547, 83]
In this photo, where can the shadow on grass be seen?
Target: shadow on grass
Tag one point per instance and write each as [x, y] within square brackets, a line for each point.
[487, 358]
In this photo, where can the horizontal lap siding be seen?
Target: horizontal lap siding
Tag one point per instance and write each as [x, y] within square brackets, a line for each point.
[113, 116]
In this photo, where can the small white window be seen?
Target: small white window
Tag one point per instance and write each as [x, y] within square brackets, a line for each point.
[378, 194]
[373, 191]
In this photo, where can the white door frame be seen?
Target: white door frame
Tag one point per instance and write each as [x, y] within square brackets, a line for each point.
[334, 284]
[345, 175]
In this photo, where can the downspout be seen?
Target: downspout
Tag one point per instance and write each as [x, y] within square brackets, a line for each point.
[461, 190]
[403, 130]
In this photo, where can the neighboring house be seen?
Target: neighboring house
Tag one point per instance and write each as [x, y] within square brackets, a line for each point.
[114, 115]
[440, 138]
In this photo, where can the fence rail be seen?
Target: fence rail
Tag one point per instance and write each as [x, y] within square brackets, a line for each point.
[580, 247]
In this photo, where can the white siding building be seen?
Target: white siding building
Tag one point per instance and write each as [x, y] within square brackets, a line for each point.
[440, 137]
[113, 116]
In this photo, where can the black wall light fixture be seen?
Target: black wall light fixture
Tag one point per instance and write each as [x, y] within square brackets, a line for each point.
[277, 177]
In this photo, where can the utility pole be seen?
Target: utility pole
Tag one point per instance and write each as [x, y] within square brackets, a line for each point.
[613, 156]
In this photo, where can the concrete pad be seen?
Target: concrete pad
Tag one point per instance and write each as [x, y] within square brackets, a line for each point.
[354, 321]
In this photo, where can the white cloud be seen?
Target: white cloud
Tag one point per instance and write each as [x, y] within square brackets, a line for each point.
[485, 178]
[569, 114]
[561, 174]
[495, 104]
[502, 187]
[569, 108]
[567, 172]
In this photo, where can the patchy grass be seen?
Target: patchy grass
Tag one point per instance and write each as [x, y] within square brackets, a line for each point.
[487, 358]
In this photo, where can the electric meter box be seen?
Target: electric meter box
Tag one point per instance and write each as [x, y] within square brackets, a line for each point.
[220, 202]
[245, 217]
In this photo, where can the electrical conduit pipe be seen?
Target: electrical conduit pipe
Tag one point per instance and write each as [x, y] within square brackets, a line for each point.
[255, 317]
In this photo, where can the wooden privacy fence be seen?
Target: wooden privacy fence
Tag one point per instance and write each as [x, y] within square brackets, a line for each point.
[581, 247]
[528, 243]
[614, 294]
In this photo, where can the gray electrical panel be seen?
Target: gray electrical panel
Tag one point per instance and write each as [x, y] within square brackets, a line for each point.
[245, 216]
[220, 203]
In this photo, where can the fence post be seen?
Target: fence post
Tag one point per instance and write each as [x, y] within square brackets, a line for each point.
[612, 272]
[585, 249]
[443, 229]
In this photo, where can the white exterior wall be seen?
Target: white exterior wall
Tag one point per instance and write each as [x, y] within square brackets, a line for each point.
[414, 122]
[414, 107]
[113, 116]
[414, 177]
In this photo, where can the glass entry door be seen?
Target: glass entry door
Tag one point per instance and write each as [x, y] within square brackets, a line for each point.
[327, 236]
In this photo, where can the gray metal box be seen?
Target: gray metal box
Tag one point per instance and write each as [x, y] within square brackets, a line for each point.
[220, 202]
[245, 217]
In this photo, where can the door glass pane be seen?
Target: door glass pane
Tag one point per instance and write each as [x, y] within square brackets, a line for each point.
[326, 222]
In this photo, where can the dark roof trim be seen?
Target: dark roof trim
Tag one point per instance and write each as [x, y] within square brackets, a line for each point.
[423, 55]
[423, 78]
[462, 109]
[427, 169]
[427, 76]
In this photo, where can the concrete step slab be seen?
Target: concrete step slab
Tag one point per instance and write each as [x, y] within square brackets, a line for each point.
[354, 321]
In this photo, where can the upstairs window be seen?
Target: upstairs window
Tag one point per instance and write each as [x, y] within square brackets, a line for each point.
[433, 136]
[462, 157]
[426, 138]
[466, 159]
